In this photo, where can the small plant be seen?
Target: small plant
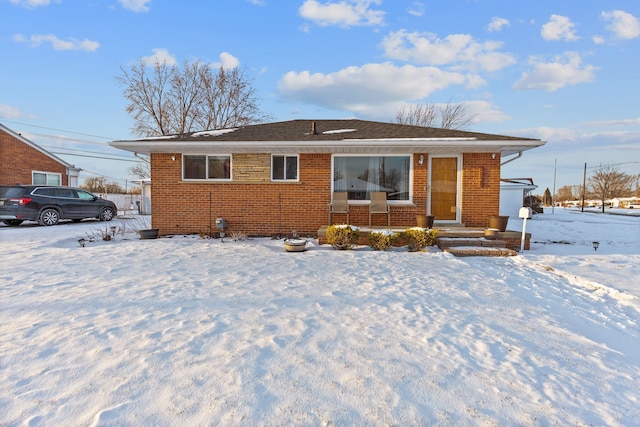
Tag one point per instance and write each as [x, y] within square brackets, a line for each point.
[418, 238]
[342, 236]
[380, 240]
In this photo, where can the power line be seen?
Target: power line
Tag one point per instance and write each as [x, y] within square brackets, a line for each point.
[61, 130]
[84, 151]
[95, 157]
[611, 164]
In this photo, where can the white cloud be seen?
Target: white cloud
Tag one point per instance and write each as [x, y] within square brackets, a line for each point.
[624, 25]
[136, 5]
[484, 112]
[159, 56]
[598, 39]
[227, 61]
[416, 9]
[474, 81]
[31, 4]
[9, 112]
[359, 89]
[615, 122]
[58, 44]
[258, 2]
[565, 70]
[346, 13]
[461, 51]
[497, 24]
[559, 28]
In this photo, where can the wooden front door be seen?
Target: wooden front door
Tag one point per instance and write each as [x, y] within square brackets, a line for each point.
[444, 184]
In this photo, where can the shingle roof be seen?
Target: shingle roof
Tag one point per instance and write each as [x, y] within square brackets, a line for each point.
[333, 130]
[330, 136]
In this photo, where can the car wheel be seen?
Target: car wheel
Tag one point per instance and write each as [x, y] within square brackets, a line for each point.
[13, 222]
[49, 217]
[107, 214]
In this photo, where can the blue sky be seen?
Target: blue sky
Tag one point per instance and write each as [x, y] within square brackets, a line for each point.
[565, 72]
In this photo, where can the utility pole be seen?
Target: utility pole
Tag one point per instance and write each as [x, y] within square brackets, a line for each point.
[553, 195]
[584, 183]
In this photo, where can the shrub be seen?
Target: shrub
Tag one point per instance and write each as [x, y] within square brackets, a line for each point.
[380, 240]
[417, 238]
[342, 236]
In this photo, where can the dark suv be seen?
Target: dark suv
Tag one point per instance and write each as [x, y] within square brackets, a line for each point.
[48, 205]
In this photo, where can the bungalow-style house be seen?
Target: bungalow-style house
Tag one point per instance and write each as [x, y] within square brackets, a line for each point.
[270, 179]
[24, 162]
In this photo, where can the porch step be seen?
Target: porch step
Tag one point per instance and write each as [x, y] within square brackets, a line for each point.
[474, 246]
[461, 251]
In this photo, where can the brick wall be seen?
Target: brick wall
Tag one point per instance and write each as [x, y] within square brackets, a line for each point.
[480, 188]
[18, 160]
[254, 205]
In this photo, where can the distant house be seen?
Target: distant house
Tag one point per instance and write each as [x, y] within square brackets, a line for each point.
[273, 178]
[24, 162]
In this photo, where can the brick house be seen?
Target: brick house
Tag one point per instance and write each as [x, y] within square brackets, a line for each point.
[272, 178]
[23, 162]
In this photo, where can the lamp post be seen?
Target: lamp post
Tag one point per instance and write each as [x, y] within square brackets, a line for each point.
[595, 245]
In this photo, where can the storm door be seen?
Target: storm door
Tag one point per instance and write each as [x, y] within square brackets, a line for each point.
[443, 200]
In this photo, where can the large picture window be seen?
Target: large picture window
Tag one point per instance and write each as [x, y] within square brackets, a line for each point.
[360, 175]
[284, 168]
[206, 167]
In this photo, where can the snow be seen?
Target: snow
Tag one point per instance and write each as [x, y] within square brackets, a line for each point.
[329, 132]
[192, 331]
[215, 132]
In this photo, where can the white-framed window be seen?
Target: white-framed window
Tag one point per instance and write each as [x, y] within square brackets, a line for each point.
[46, 178]
[285, 168]
[360, 175]
[206, 167]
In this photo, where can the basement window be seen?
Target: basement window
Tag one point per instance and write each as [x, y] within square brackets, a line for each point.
[203, 167]
[284, 168]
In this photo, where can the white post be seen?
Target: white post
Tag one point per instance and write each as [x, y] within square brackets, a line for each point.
[524, 213]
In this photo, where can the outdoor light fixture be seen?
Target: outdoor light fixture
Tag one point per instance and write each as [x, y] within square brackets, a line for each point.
[493, 155]
[595, 245]
[421, 159]
[173, 158]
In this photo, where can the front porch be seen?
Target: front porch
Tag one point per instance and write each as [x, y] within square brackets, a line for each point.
[456, 239]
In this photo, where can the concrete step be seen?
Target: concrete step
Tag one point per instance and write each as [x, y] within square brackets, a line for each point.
[463, 251]
[474, 246]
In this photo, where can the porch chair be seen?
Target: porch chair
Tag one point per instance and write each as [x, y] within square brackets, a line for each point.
[379, 206]
[339, 204]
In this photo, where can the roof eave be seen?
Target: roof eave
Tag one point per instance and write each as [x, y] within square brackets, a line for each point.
[369, 146]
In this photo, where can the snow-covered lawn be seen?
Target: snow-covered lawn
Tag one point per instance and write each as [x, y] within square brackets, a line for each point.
[189, 331]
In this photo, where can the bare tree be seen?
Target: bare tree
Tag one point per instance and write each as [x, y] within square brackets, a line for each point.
[141, 169]
[451, 116]
[564, 193]
[417, 115]
[99, 184]
[608, 182]
[167, 100]
[229, 101]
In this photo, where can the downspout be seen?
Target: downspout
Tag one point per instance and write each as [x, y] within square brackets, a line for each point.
[511, 160]
[141, 158]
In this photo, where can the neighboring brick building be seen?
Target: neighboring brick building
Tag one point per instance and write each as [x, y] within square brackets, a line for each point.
[277, 177]
[23, 162]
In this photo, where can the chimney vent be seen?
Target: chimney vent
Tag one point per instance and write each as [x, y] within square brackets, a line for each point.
[313, 128]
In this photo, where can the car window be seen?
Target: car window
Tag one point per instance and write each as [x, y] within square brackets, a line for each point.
[51, 192]
[9, 192]
[67, 193]
[85, 195]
